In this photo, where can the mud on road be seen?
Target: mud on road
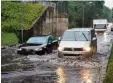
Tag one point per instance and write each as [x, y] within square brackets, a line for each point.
[51, 69]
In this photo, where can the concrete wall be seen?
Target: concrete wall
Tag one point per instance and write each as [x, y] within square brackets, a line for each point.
[62, 25]
[49, 23]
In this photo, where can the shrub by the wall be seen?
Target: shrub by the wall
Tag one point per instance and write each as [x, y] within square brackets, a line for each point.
[8, 38]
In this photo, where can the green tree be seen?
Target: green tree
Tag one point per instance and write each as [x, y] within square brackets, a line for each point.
[90, 9]
[112, 13]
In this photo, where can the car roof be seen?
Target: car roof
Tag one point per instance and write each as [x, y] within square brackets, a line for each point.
[40, 36]
[80, 29]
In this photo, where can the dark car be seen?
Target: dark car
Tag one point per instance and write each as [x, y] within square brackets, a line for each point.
[38, 45]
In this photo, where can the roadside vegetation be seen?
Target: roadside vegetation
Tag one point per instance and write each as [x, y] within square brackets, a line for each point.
[14, 15]
[90, 9]
[8, 38]
[109, 74]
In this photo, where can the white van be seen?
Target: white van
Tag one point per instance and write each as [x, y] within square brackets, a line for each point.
[100, 24]
[78, 41]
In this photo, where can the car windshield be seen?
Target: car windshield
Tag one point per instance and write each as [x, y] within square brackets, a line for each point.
[100, 26]
[37, 40]
[76, 36]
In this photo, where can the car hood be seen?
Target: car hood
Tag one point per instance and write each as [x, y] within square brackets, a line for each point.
[33, 47]
[75, 44]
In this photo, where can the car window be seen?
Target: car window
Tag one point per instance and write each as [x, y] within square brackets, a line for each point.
[68, 36]
[37, 40]
[82, 35]
[50, 40]
[76, 36]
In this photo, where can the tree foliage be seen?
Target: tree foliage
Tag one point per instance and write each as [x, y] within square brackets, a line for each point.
[112, 14]
[14, 14]
[90, 9]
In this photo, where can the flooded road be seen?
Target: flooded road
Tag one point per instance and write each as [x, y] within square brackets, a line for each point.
[51, 69]
[78, 75]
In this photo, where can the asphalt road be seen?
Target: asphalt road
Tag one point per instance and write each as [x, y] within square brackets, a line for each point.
[51, 69]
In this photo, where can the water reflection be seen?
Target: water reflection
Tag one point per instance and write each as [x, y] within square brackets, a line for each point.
[61, 75]
[75, 75]
[86, 76]
[105, 37]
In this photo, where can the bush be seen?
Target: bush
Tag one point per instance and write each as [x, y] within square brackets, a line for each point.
[8, 38]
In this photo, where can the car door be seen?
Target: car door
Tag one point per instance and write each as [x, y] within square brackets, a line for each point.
[54, 42]
[50, 42]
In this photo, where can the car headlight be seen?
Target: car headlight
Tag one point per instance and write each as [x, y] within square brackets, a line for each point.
[38, 49]
[87, 49]
[60, 48]
[19, 49]
[95, 33]
[105, 34]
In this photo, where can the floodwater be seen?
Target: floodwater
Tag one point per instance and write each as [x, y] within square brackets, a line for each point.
[77, 75]
[51, 69]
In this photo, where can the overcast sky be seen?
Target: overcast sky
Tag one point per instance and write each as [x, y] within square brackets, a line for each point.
[109, 3]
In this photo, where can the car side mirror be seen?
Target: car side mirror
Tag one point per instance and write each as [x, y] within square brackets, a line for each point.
[24, 43]
[59, 38]
[49, 43]
[94, 38]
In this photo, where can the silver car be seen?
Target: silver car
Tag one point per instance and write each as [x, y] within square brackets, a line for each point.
[78, 41]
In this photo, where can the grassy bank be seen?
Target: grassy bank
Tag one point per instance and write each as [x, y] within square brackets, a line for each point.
[14, 15]
[8, 39]
[109, 74]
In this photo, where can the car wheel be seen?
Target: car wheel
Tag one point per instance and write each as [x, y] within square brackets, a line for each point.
[41, 52]
[25, 54]
[49, 50]
[90, 54]
[22, 53]
[55, 46]
[60, 55]
[95, 50]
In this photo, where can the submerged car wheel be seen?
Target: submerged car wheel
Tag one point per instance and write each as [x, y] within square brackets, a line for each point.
[49, 50]
[41, 52]
[21, 53]
[24, 53]
[60, 55]
[94, 50]
[89, 54]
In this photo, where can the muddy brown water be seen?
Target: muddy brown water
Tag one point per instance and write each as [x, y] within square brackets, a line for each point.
[24, 69]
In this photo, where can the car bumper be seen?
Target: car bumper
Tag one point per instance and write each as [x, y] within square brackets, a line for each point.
[25, 52]
[74, 53]
[100, 29]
